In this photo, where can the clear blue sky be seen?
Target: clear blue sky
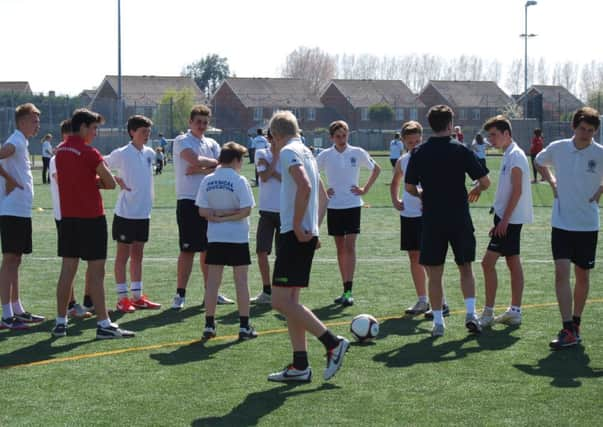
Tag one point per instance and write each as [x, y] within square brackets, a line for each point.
[70, 45]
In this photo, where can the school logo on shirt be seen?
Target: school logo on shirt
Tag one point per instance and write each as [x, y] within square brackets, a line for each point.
[592, 165]
[353, 161]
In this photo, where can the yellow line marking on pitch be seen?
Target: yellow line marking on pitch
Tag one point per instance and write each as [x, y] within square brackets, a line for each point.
[219, 338]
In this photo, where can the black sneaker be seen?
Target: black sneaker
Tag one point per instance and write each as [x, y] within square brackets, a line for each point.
[13, 323]
[577, 332]
[445, 312]
[112, 331]
[59, 330]
[565, 338]
[247, 333]
[339, 299]
[27, 317]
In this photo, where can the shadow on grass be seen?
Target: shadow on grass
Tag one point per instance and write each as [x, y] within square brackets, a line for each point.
[330, 312]
[194, 352]
[399, 326]
[157, 319]
[564, 367]
[256, 405]
[41, 350]
[430, 350]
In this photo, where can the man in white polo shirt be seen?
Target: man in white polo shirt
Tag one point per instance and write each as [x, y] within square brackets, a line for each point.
[134, 164]
[395, 149]
[259, 143]
[194, 156]
[269, 170]
[342, 164]
[512, 209]
[577, 186]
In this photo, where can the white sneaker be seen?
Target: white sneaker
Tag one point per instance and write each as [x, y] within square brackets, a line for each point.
[335, 357]
[79, 312]
[419, 308]
[262, 298]
[290, 374]
[509, 317]
[178, 303]
[209, 332]
[223, 300]
[486, 319]
[472, 323]
[437, 330]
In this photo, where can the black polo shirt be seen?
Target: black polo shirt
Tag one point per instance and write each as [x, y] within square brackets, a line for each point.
[439, 165]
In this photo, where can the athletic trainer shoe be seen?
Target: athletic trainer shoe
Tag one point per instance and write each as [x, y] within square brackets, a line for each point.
[437, 330]
[224, 300]
[445, 312]
[59, 330]
[577, 332]
[565, 338]
[125, 306]
[247, 333]
[262, 298]
[89, 308]
[27, 317]
[509, 317]
[290, 374]
[178, 303]
[209, 332]
[79, 312]
[472, 323]
[486, 319]
[144, 303]
[112, 331]
[13, 323]
[339, 299]
[419, 308]
[335, 357]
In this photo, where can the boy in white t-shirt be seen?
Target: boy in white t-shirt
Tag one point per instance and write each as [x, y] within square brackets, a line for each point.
[512, 209]
[269, 170]
[16, 199]
[577, 186]
[134, 165]
[342, 163]
[225, 199]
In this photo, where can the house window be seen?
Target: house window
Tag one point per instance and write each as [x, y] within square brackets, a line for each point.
[311, 114]
[462, 114]
[399, 114]
[414, 114]
[258, 114]
[364, 114]
[475, 115]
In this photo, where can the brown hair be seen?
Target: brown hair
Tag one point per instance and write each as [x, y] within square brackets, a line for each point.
[336, 125]
[411, 128]
[439, 117]
[500, 122]
[84, 116]
[66, 127]
[24, 110]
[538, 132]
[231, 151]
[587, 115]
[200, 110]
[138, 121]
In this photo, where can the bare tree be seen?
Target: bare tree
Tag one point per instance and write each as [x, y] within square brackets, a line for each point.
[592, 79]
[311, 64]
[542, 72]
[494, 71]
[514, 82]
[569, 75]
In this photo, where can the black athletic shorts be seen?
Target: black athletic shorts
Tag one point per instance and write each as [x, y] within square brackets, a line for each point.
[126, 230]
[410, 233]
[269, 226]
[393, 162]
[343, 221]
[192, 228]
[293, 261]
[580, 247]
[234, 254]
[509, 244]
[84, 238]
[15, 232]
[434, 244]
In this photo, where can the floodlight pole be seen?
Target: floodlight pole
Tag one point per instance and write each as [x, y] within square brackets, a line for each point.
[119, 89]
[525, 35]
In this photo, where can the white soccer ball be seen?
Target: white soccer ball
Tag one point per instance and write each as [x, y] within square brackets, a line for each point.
[364, 327]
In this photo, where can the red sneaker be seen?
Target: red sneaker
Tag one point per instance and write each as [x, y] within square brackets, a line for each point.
[144, 303]
[125, 305]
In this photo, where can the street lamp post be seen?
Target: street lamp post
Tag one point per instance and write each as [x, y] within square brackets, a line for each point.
[525, 35]
[119, 77]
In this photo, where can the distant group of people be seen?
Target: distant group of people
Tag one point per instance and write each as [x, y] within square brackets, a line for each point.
[214, 203]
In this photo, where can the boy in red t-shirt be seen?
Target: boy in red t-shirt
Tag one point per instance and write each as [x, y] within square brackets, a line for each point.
[83, 227]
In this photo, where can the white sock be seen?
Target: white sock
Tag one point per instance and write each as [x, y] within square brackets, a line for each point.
[136, 289]
[122, 290]
[516, 308]
[7, 311]
[470, 305]
[61, 320]
[18, 307]
[104, 323]
[438, 317]
[423, 298]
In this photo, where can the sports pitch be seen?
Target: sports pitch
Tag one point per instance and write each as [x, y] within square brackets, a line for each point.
[166, 376]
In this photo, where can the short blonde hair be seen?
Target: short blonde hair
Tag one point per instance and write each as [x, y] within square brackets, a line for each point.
[25, 110]
[284, 124]
[411, 128]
